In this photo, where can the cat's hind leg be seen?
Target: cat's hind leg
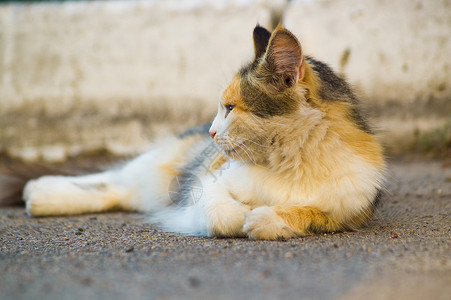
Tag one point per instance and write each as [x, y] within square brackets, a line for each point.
[140, 185]
[63, 195]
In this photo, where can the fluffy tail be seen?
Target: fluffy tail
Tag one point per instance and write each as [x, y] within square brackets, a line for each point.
[186, 220]
[14, 176]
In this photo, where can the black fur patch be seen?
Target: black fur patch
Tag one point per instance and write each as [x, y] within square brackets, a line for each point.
[378, 199]
[334, 88]
[246, 69]
[262, 104]
[261, 38]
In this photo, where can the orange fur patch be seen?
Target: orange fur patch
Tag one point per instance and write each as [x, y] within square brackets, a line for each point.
[217, 163]
[232, 94]
[310, 82]
[306, 219]
[362, 143]
[170, 169]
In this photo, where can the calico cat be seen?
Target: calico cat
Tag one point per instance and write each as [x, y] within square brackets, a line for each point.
[288, 154]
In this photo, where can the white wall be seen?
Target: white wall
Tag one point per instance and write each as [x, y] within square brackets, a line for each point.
[83, 76]
[398, 50]
[64, 54]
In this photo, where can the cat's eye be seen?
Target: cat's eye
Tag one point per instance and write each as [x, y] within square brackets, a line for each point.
[229, 108]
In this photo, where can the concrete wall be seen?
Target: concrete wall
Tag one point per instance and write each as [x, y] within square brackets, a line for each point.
[104, 52]
[391, 50]
[84, 76]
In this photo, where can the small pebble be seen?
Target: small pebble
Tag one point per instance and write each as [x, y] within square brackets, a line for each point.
[194, 282]
[266, 273]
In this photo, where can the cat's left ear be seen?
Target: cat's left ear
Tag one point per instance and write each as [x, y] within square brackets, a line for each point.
[283, 57]
[261, 38]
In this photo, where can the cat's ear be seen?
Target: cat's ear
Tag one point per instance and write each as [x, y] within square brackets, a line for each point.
[261, 38]
[284, 58]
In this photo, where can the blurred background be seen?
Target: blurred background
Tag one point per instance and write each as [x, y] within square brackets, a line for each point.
[88, 77]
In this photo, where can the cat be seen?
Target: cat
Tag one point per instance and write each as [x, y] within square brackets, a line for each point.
[288, 154]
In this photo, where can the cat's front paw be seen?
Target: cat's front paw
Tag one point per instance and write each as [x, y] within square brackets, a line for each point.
[263, 223]
[227, 219]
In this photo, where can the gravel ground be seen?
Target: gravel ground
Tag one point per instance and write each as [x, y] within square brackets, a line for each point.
[404, 253]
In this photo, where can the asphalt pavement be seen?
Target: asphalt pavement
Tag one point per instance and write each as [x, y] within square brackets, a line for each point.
[404, 253]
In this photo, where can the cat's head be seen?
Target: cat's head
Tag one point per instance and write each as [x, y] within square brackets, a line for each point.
[260, 97]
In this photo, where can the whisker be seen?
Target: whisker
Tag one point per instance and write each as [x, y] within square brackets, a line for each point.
[234, 149]
[249, 150]
[246, 152]
[242, 138]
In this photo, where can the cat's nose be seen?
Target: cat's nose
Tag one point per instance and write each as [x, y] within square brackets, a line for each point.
[212, 134]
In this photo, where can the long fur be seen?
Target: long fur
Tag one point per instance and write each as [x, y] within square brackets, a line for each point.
[291, 155]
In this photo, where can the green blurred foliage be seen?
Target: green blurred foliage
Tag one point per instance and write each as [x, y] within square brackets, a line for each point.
[436, 142]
